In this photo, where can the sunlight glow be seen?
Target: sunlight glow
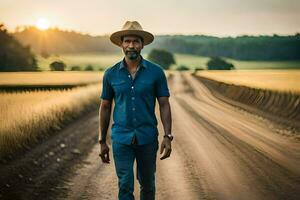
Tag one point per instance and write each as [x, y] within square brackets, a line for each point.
[42, 24]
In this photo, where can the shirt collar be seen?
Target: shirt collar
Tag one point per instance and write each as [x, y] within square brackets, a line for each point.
[142, 63]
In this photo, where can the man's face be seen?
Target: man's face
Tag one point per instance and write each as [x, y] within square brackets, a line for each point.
[132, 46]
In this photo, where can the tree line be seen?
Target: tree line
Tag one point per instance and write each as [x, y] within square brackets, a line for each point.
[17, 50]
[56, 41]
[13, 55]
[270, 48]
[240, 48]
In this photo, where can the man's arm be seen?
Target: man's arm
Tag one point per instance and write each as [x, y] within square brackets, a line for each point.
[104, 118]
[165, 114]
[166, 119]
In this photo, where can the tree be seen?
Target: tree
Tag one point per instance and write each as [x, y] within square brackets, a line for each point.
[162, 57]
[182, 68]
[45, 54]
[216, 63]
[14, 56]
[75, 68]
[58, 66]
[197, 69]
[89, 68]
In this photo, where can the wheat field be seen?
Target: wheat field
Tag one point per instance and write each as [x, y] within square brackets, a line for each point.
[49, 78]
[277, 80]
[26, 116]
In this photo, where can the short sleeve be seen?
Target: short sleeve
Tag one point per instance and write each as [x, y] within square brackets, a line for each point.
[161, 86]
[107, 90]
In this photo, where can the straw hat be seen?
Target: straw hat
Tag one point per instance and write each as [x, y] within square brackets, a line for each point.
[131, 28]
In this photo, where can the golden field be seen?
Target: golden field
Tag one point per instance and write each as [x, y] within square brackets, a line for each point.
[26, 116]
[49, 78]
[277, 80]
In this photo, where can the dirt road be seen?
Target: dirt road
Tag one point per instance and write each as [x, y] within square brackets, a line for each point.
[220, 152]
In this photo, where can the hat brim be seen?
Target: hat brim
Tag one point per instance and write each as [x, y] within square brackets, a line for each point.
[116, 37]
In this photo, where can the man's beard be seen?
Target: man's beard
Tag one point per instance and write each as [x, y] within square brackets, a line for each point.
[132, 54]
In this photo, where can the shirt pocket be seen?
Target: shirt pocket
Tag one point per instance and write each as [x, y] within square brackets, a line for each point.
[145, 87]
[119, 86]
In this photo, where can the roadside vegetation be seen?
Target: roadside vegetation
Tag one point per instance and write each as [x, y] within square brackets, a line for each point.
[28, 116]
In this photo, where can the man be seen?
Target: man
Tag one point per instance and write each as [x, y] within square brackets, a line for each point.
[134, 84]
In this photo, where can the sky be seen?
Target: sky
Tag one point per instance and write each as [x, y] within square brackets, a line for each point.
[209, 17]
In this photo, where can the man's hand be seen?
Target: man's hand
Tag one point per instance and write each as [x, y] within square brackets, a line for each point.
[165, 146]
[104, 153]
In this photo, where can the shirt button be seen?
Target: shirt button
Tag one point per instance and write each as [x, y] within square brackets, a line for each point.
[132, 98]
[133, 109]
[129, 76]
[132, 87]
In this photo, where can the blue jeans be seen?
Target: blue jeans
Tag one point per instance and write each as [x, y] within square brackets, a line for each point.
[145, 155]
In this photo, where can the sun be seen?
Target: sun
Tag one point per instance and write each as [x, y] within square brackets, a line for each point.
[42, 24]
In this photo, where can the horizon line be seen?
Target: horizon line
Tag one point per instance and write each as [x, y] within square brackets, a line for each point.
[23, 27]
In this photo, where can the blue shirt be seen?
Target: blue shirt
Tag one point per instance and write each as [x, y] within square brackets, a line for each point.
[134, 110]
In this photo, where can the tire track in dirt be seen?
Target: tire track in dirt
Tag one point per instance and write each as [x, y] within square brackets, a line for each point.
[175, 177]
[93, 180]
[218, 152]
[217, 173]
[285, 151]
[40, 172]
[277, 180]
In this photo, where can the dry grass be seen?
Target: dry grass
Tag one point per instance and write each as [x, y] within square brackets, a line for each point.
[277, 80]
[49, 78]
[26, 116]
